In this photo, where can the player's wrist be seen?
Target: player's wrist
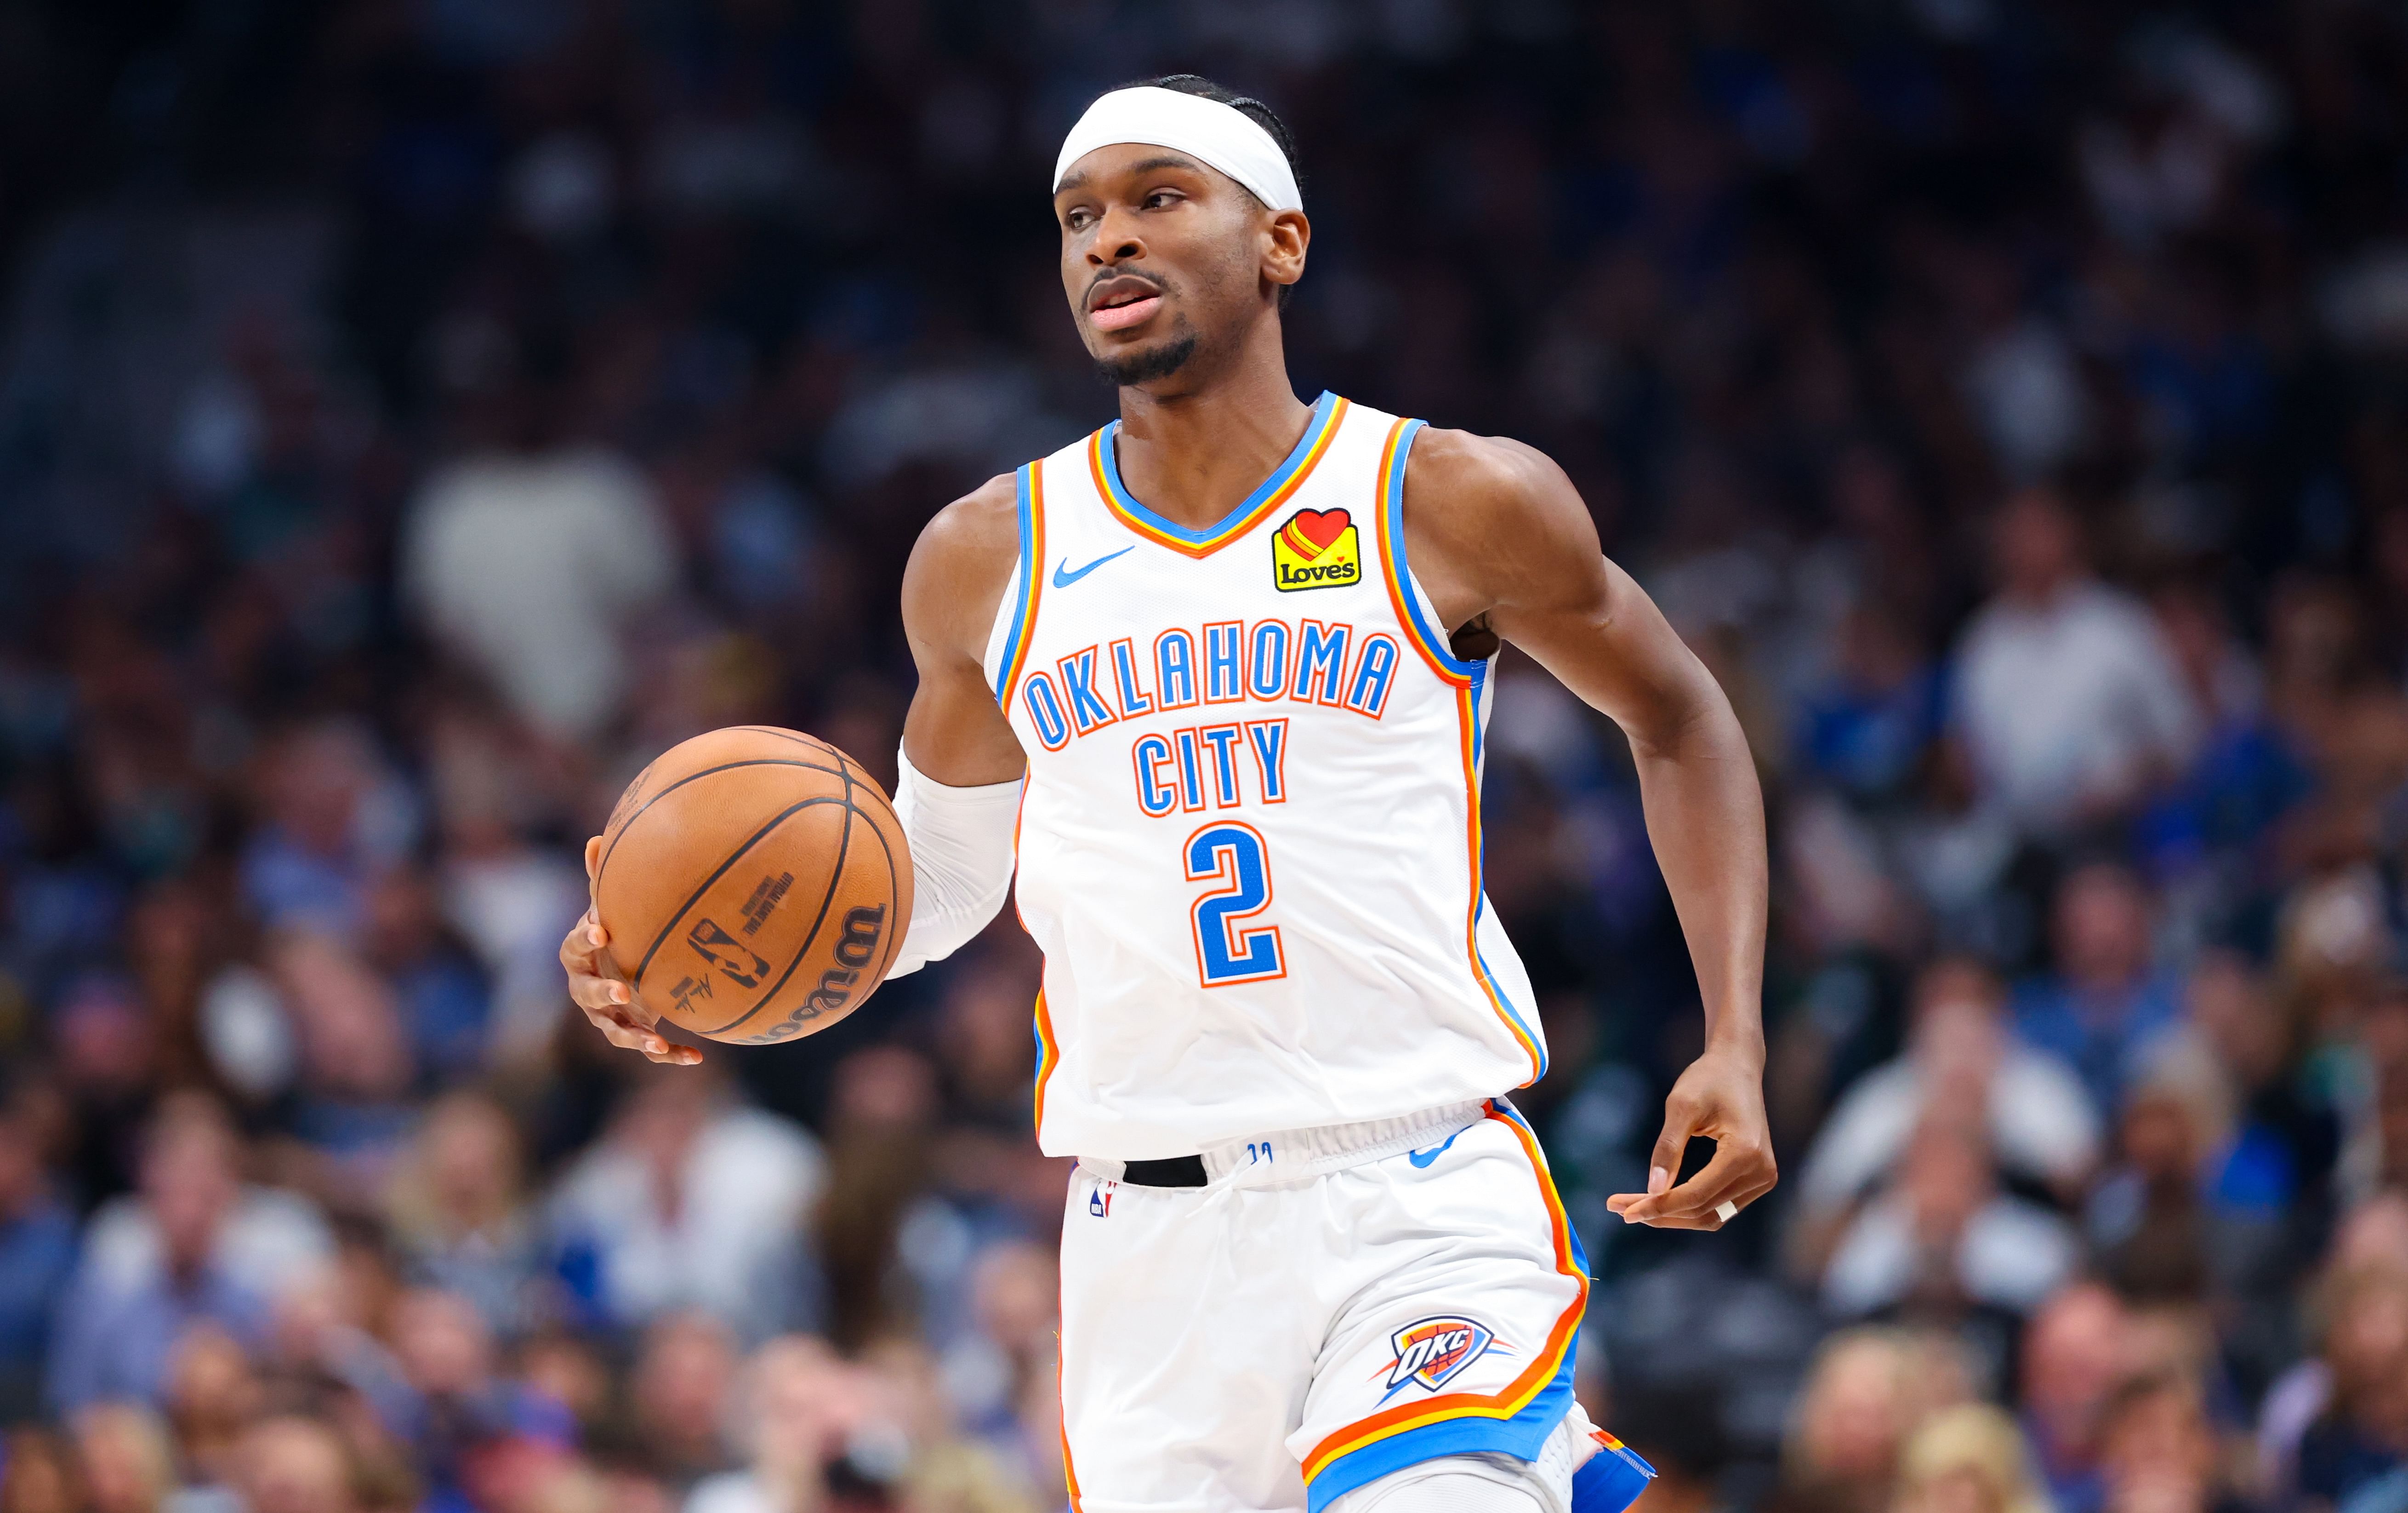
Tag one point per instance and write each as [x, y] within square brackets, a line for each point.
[1743, 1047]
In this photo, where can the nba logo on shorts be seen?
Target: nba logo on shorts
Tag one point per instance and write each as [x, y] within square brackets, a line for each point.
[1433, 1351]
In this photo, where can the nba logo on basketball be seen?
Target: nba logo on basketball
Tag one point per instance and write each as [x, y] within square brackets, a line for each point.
[1315, 549]
[1434, 1351]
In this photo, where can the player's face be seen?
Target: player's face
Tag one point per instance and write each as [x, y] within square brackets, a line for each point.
[1162, 257]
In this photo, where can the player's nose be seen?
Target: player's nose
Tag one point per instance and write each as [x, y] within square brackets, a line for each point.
[1116, 242]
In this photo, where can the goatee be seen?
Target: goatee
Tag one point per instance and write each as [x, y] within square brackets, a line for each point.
[1147, 366]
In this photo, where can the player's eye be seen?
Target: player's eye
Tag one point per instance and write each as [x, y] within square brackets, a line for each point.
[1159, 199]
[1077, 220]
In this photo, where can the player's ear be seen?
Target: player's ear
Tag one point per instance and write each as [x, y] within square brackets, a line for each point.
[1287, 236]
[593, 858]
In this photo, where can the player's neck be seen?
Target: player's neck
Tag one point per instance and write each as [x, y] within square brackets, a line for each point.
[1193, 454]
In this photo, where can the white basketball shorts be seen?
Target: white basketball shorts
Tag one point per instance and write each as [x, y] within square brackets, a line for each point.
[1332, 1306]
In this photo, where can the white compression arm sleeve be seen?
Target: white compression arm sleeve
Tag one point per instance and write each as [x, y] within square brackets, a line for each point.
[961, 859]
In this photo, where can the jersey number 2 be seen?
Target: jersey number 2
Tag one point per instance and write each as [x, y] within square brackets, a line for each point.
[1227, 950]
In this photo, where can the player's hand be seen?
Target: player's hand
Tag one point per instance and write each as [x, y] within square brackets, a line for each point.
[597, 987]
[1720, 1098]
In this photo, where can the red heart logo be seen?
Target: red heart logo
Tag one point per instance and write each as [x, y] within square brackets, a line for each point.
[1321, 526]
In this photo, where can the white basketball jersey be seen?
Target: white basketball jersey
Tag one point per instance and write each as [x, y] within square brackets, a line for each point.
[1250, 844]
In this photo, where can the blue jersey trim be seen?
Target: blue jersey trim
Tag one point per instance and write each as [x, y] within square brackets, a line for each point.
[1108, 451]
[1520, 1436]
[1393, 491]
[1610, 1480]
[1026, 586]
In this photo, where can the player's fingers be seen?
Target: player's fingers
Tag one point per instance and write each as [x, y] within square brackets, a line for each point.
[1663, 1163]
[1737, 1175]
[622, 1030]
[589, 992]
[580, 949]
[626, 1034]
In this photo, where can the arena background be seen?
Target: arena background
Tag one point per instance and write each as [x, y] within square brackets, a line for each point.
[414, 414]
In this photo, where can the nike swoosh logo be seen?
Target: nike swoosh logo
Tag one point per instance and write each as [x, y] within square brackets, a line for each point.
[1423, 1157]
[1063, 577]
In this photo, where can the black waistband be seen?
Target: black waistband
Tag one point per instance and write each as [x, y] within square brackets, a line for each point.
[1170, 1172]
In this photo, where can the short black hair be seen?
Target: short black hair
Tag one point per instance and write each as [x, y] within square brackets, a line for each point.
[1245, 105]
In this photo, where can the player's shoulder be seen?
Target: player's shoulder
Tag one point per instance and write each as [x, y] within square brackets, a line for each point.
[977, 526]
[1474, 484]
[961, 564]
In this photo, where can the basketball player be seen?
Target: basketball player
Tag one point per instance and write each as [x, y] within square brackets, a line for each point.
[1215, 679]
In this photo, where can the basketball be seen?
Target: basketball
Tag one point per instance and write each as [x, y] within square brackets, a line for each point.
[755, 885]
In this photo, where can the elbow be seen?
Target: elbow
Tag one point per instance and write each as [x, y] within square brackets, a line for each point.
[1694, 721]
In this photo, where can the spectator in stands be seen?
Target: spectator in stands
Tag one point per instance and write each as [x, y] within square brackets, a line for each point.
[1863, 1398]
[298, 1465]
[2034, 1113]
[1869, 731]
[2078, 1349]
[1944, 1238]
[528, 553]
[213, 1394]
[128, 1463]
[798, 1405]
[2150, 1221]
[1969, 1459]
[39, 1473]
[443, 991]
[682, 1388]
[693, 1200]
[195, 1248]
[2362, 1432]
[450, 1404]
[2106, 1001]
[352, 1112]
[333, 824]
[459, 1212]
[880, 1131]
[2067, 701]
[2158, 1451]
[2371, 1243]
[37, 1253]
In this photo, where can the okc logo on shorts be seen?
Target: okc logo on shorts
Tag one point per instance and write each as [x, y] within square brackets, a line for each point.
[1434, 1351]
[1317, 549]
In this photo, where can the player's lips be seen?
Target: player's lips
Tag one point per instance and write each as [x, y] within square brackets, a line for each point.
[1117, 304]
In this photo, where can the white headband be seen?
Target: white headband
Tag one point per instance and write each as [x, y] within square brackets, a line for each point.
[1220, 136]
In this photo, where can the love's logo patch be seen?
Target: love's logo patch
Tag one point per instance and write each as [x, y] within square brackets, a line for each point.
[1317, 549]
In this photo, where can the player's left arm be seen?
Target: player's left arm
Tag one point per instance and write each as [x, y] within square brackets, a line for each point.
[1505, 547]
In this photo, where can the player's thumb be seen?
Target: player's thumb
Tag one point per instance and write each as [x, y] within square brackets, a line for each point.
[1664, 1162]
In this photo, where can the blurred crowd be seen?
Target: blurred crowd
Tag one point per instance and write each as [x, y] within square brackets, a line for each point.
[415, 415]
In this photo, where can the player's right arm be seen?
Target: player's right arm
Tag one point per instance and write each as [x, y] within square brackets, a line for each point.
[952, 589]
[954, 734]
